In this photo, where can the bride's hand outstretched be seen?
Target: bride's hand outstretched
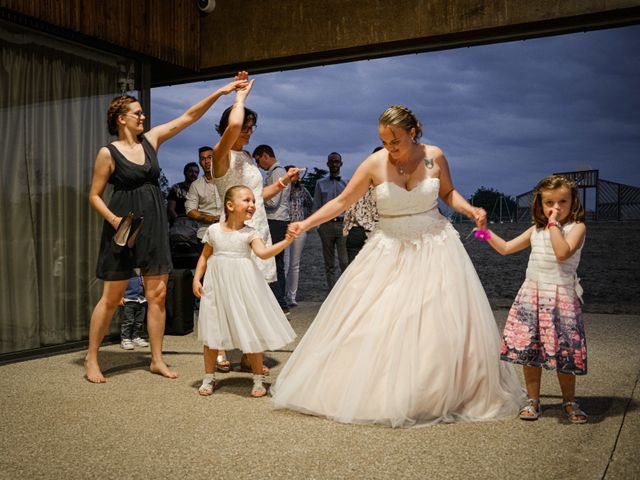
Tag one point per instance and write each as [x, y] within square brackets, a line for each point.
[295, 229]
[480, 217]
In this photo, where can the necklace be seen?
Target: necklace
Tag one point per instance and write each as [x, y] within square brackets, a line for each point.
[410, 166]
[405, 169]
[427, 162]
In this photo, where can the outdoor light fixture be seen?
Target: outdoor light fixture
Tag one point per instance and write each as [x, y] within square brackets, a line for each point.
[207, 6]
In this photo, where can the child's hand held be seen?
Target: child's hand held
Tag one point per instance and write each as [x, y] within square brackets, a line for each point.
[294, 229]
[480, 217]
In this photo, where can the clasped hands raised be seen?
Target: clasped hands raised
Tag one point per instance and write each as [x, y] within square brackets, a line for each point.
[239, 84]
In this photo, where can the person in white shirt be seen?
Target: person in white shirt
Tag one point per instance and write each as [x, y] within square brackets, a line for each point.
[277, 209]
[203, 202]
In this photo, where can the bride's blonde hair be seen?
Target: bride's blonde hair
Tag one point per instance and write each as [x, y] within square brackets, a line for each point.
[401, 116]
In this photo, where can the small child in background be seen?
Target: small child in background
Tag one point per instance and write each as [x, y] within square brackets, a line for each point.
[134, 306]
[237, 307]
[544, 327]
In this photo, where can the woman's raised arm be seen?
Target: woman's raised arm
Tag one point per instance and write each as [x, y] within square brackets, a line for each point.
[161, 133]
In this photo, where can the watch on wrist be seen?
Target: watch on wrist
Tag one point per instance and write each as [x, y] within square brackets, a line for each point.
[554, 224]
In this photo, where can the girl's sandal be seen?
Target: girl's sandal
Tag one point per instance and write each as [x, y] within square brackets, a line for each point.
[222, 364]
[529, 411]
[258, 389]
[576, 415]
[207, 387]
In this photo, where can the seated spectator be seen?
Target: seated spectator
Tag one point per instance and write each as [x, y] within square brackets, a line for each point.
[203, 202]
[178, 192]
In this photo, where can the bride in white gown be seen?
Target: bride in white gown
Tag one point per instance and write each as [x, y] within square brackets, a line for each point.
[407, 335]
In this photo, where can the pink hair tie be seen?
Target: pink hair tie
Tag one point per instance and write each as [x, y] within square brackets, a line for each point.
[481, 234]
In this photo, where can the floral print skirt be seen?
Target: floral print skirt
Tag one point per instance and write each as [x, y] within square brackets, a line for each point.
[544, 329]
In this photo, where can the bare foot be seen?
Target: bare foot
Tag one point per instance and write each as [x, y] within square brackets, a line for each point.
[161, 368]
[94, 375]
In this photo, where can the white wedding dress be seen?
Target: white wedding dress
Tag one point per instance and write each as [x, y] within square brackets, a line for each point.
[244, 171]
[407, 335]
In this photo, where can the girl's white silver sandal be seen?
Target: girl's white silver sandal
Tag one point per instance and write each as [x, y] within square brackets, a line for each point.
[529, 411]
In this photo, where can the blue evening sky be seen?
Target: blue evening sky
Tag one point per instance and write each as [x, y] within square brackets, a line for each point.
[505, 115]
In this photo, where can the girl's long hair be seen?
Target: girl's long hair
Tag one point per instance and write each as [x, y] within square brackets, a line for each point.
[552, 182]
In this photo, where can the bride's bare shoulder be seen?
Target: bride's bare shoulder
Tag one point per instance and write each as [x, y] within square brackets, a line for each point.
[433, 151]
[374, 166]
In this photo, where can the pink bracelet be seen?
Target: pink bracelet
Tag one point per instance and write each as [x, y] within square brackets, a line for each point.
[281, 183]
[481, 234]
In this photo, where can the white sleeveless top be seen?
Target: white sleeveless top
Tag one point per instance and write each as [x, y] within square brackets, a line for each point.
[545, 267]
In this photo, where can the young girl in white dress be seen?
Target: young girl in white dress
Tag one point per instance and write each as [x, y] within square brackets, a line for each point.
[232, 165]
[237, 307]
[544, 327]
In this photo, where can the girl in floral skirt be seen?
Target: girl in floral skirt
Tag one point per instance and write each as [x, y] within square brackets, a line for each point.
[544, 327]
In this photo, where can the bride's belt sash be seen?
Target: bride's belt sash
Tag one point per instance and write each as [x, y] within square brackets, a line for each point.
[411, 226]
[400, 215]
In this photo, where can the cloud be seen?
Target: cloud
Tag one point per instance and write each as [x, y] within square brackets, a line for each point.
[505, 114]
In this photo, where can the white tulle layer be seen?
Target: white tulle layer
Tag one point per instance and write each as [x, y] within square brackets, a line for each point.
[238, 309]
[405, 337]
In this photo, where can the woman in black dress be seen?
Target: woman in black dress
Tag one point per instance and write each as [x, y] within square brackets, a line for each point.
[130, 164]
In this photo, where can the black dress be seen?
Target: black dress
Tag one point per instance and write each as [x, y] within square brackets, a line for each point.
[136, 190]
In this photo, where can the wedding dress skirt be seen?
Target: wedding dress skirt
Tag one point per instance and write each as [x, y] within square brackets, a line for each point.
[407, 335]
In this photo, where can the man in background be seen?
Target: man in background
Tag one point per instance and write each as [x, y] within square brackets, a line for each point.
[331, 232]
[203, 202]
[277, 209]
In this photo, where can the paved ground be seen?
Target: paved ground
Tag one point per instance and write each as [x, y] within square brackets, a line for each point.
[54, 424]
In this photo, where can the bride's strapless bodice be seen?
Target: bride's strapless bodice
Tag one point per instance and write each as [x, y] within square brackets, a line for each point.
[409, 214]
[395, 200]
